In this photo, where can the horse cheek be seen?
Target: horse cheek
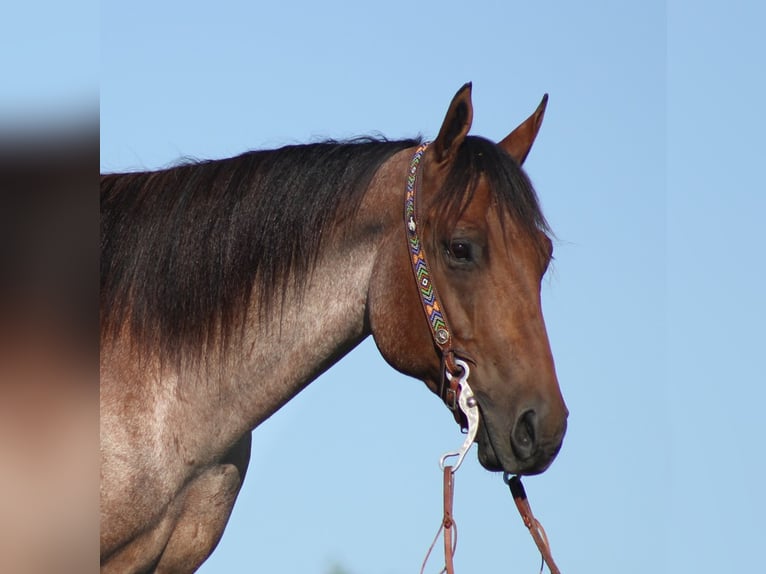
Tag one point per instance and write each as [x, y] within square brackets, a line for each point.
[396, 318]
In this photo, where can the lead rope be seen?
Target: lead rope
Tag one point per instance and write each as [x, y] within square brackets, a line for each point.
[448, 526]
[467, 404]
[533, 524]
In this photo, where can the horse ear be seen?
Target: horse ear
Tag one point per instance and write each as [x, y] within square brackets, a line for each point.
[456, 124]
[519, 141]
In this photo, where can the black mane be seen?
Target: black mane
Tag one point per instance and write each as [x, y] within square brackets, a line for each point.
[182, 248]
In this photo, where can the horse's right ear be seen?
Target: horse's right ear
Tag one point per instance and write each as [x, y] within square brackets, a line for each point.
[455, 127]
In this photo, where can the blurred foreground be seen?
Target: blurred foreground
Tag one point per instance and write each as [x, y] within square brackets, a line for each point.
[49, 347]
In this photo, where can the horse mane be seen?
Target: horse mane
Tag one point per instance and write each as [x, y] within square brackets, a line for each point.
[183, 247]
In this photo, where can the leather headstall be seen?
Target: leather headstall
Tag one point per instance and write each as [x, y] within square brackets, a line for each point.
[429, 297]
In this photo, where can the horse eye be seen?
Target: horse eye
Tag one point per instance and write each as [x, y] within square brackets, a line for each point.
[461, 250]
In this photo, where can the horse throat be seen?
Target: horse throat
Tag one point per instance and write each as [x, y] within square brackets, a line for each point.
[316, 325]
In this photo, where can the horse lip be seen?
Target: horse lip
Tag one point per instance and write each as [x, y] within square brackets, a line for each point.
[488, 457]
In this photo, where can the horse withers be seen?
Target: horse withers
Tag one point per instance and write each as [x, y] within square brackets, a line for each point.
[215, 274]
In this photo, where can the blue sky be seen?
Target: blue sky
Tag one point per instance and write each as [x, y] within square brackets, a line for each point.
[647, 167]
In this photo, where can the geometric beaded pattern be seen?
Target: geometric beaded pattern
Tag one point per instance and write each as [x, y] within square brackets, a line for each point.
[428, 296]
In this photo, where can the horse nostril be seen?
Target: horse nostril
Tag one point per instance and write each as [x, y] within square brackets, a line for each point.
[523, 437]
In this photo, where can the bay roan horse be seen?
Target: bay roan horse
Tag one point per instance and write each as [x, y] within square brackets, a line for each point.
[228, 286]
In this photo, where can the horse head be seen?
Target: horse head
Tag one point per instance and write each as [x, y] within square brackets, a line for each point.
[488, 247]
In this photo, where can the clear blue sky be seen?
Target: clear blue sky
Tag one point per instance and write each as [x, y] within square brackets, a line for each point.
[648, 168]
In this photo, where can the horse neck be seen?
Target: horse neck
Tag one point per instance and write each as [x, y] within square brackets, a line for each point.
[321, 317]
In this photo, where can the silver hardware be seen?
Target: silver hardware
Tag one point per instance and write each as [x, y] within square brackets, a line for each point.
[466, 403]
[442, 336]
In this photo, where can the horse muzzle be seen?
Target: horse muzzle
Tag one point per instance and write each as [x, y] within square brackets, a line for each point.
[525, 444]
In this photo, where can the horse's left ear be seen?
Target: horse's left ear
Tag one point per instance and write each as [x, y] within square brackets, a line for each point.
[519, 141]
[455, 127]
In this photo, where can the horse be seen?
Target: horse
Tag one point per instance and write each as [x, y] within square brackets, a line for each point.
[227, 286]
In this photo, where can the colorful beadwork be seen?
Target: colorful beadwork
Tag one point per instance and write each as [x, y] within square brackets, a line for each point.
[428, 296]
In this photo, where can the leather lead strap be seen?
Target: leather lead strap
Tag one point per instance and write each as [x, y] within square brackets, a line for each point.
[447, 526]
[448, 522]
[535, 528]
